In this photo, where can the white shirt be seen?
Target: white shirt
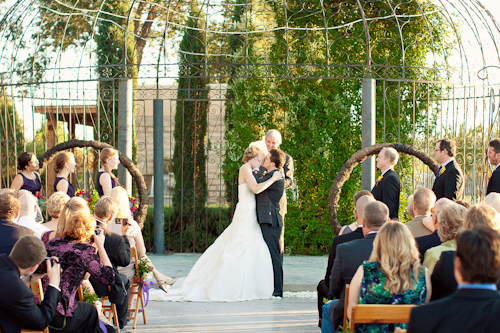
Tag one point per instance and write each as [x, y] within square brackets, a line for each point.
[30, 223]
[385, 171]
[447, 162]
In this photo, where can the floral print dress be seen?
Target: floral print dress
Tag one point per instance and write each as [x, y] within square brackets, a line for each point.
[372, 292]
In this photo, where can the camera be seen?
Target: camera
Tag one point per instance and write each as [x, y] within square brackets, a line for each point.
[123, 221]
[97, 231]
[42, 268]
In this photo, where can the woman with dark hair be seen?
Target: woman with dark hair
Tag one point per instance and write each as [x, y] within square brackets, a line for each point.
[110, 158]
[65, 165]
[27, 178]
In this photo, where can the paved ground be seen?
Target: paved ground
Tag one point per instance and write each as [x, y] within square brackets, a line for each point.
[289, 314]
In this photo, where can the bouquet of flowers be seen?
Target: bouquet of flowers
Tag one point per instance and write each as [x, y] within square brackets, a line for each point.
[134, 204]
[42, 201]
[91, 198]
[143, 271]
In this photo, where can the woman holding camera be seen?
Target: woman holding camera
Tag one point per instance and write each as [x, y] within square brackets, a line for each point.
[77, 257]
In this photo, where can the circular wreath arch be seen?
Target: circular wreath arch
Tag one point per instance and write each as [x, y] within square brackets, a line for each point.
[124, 160]
[358, 157]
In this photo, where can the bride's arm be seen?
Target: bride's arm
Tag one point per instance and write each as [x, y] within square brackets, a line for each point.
[246, 172]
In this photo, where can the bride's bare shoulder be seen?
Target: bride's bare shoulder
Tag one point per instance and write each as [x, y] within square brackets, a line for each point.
[246, 166]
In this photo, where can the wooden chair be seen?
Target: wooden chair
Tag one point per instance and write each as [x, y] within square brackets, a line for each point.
[132, 293]
[399, 330]
[379, 314]
[108, 310]
[37, 289]
[346, 304]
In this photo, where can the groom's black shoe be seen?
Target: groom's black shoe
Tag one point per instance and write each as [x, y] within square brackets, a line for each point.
[278, 295]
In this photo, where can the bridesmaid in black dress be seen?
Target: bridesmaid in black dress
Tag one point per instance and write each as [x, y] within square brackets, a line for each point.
[65, 165]
[105, 178]
[27, 179]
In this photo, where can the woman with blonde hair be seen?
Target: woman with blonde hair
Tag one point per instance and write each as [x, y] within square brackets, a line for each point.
[55, 205]
[65, 165]
[106, 180]
[77, 256]
[482, 214]
[392, 275]
[450, 222]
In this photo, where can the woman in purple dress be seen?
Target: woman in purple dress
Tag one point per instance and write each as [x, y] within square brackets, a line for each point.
[77, 257]
[105, 179]
[65, 165]
[27, 179]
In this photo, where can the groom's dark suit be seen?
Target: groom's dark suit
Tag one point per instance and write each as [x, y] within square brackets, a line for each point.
[271, 223]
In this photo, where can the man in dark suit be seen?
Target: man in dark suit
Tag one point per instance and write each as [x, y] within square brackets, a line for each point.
[449, 182]
[17, 307]
[423, 201]
[273, 141]
[118, 250]
[475, 306]
[360, 199]
[494, 157]
[269, 217]
[10, 231]
[387, 188]
[350, 256]
[426, 242]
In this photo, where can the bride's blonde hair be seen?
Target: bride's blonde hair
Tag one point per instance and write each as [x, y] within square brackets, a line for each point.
[395, 250]
[256, 147]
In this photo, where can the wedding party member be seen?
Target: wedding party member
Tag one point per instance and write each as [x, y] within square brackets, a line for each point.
[387, 188]
[65, 165]
[426, 242]
[273, 141]
[423, 201]
[450, 222]
[349, 257]
[392, 275]
[494, 158]
[360, 199]
[118, 250]
[28, 177]
[106, 180]
[10, 231]
[55, 205]
[28, 214]
[78, 257]
[237, 266]
[17, 307]
[449, 182]
[475, 306]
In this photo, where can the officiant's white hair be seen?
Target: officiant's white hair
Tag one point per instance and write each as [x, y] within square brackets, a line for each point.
[259, 144]
[275, 135]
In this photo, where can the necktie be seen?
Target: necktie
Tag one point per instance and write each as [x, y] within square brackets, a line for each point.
[437, 174]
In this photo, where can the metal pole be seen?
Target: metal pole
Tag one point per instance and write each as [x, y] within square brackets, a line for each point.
[159, 211]
[368, 132]
[125, 114]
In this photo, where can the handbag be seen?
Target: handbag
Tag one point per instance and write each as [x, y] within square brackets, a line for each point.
[119, 289]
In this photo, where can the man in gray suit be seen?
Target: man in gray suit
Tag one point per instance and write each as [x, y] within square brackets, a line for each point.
[423, 201]
[269, 217]
[350, 256]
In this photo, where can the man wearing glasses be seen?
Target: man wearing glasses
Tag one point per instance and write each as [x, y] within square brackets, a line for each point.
[449, 182]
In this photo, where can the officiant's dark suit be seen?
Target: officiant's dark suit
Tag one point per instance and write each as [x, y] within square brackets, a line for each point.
[271, 223]
[387, 191]
[450, 184]
[494, 182]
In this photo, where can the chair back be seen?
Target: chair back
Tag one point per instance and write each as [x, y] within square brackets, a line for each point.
[133, 254]
[346, 304]
[380, 314]
[37, 289]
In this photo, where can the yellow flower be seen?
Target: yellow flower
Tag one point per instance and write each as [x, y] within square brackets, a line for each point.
[489, 175]
[442, 170]
[379, 179]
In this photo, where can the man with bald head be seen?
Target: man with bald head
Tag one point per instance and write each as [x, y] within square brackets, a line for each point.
[351, 255]
[28, 214]
[423, 201]
[426, 242]
[387, 188]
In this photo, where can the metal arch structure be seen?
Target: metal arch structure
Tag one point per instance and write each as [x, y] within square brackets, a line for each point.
[61, 60]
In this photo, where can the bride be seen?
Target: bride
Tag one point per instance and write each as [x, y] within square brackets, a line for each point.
[237, 266]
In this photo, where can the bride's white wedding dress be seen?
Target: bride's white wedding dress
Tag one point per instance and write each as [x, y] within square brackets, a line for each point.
[236, 267]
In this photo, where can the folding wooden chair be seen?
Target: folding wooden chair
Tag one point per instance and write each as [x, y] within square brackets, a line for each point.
[132, 293]
[346, 304]
[379, 314]
[37, 289]
[108, 310]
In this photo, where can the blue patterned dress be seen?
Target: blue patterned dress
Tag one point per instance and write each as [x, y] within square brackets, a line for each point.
[372, 292]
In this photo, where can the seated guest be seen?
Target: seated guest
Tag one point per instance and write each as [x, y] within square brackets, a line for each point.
[359, 205]
[55, 205]
[118, 250]
[64, 166]
[443, 279]
[347, 260]
[426, 242]
[493, 200]
[353, 226]
[423, 201]
[28, 213]
[17, 307]
[10, 231]
[450, 222]
[464, 203]
[77, 257]
[392, 275]
[409, 207]
[475, 306]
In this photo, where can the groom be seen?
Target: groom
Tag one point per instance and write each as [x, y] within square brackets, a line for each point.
[268, 214]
